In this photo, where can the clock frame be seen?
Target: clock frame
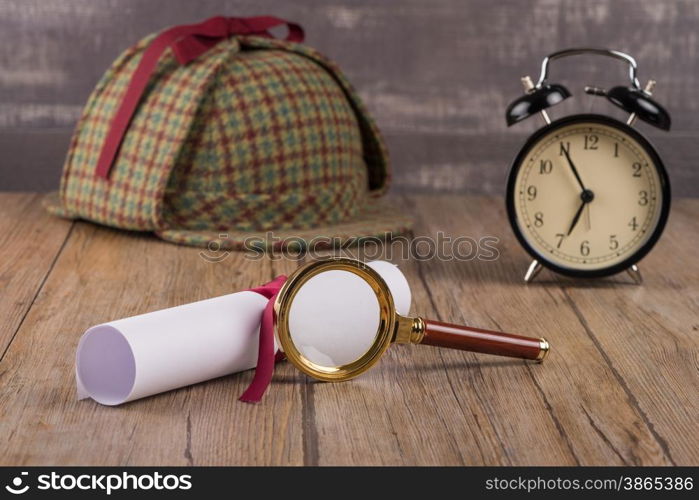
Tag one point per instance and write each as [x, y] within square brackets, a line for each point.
[663, 188]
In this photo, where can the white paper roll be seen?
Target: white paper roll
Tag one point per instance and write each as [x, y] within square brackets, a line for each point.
[397, 283]
[143, 355]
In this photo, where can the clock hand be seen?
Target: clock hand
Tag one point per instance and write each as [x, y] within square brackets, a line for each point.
[575, 170]
[587, 217]
[586, 196]
[576, 218]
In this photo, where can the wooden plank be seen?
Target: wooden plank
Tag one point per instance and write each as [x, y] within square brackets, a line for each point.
[648, 335]
[576, 388]
[437, 77]
[103, 274]
[419, 67]
[620, 386]
[30, 240]
[434, 406]
[397, 414]
[426, 406]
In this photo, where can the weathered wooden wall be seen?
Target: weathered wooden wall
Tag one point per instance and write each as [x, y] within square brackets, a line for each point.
[437, 74]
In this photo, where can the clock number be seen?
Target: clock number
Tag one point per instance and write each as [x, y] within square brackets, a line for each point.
[531, 193]
[616, 150]
[545, 167]
[636, 169]
[643, 200]
[633, 224]
[560, 237]
[591, 141]
[538, 219]
[565, 148]
[613, 242]
[585, 248]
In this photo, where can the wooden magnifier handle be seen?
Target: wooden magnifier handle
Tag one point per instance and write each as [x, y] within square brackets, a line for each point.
[467, 338]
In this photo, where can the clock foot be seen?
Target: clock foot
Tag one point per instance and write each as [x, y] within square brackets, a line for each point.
[534, 269]
[635, 274]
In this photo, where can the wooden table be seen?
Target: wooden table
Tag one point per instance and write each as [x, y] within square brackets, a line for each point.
[621, 385]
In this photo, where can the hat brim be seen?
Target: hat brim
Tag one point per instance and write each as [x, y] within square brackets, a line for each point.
[52, 204]
[378, 220]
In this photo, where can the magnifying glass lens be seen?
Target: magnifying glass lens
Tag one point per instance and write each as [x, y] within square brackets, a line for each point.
[334, 318]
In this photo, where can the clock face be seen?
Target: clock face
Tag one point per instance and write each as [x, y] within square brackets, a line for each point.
[588, 195]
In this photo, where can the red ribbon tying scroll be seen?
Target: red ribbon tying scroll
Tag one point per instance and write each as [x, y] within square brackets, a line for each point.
[266, 356]
[188, 42]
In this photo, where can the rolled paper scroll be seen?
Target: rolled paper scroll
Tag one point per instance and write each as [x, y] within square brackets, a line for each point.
[143, 355]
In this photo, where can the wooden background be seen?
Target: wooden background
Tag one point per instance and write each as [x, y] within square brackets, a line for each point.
[437, 74]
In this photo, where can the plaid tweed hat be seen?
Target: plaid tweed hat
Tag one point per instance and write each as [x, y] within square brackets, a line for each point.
[217, 132]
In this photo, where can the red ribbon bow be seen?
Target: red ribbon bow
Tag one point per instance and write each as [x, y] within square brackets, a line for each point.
[188, 42]
[266, 357]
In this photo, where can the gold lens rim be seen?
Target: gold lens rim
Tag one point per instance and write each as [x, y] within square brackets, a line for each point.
[384, 334]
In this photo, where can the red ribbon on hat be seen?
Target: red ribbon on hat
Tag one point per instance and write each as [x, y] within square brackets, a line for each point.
[188, 42]
[266, 357]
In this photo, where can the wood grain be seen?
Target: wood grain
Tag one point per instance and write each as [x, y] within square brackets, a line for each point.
[30, 240]
[437, 76]
[103, 274]
[576, 383]
[466, 402]
[621, 385]
[648, 336]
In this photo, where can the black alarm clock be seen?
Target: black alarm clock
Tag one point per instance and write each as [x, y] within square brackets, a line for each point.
[588, 195]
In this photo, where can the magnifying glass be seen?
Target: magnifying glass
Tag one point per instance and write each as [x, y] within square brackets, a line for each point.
[334, 319]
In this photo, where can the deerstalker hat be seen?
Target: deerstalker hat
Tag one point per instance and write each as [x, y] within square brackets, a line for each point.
[218, 132]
